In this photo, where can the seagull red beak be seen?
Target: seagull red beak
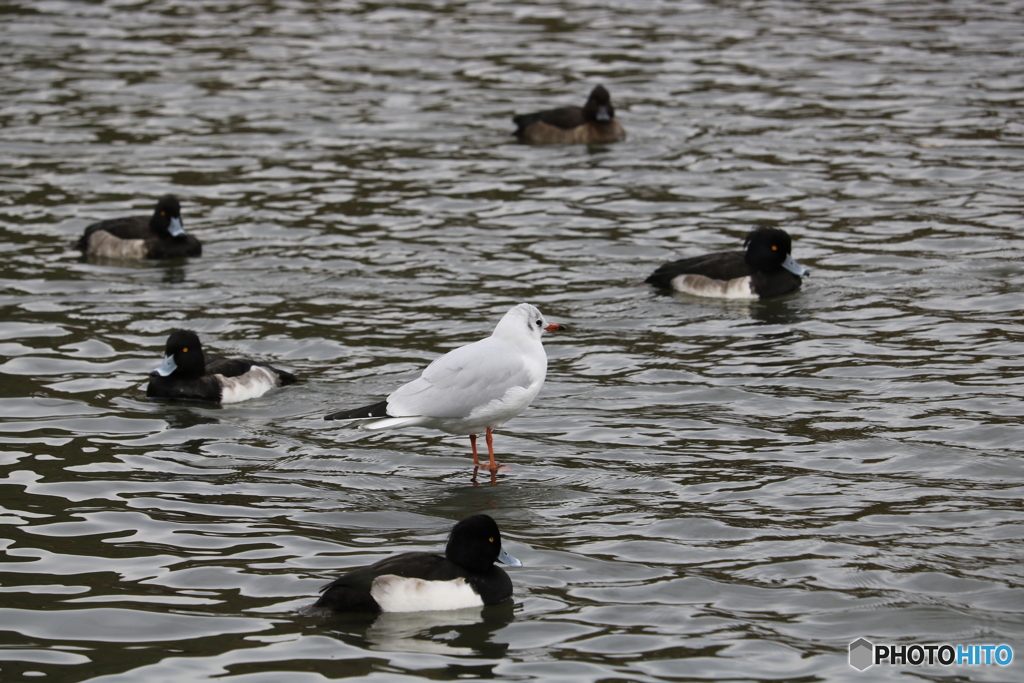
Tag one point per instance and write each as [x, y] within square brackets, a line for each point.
[554, 328]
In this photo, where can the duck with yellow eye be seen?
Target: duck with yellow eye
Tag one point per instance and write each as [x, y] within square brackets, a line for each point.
[592, 124]
[465, 576]
[160, 236]
[764, 269]
[187, 375]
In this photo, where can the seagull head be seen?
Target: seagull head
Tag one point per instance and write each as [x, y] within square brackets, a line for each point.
[525, 321]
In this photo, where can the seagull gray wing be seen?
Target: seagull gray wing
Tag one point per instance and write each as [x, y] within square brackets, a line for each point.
[466, 378]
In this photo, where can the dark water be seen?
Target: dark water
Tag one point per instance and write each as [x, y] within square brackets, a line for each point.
[702, 491]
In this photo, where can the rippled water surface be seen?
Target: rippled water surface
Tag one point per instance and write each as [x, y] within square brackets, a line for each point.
[702, 491]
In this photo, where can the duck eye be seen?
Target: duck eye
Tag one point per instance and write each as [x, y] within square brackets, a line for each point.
[491, 539]
[185, 350]
[775, 248]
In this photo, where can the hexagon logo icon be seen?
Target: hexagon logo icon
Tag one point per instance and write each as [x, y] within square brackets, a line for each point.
[862, 654]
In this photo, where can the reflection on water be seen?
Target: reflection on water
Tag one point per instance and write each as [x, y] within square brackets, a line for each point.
[736, 490]
[457, 633]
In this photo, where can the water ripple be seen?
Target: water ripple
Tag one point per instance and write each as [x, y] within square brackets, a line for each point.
[738, 490]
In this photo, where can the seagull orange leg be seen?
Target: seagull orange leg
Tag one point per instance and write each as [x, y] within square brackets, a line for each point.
[472, 442]
[490, 448]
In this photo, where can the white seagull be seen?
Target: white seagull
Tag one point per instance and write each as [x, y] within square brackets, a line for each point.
[476, 387]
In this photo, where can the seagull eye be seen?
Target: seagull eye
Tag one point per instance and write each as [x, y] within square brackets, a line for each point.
[538, 323]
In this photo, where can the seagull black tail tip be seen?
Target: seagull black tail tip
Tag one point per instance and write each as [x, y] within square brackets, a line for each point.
[376, 410]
